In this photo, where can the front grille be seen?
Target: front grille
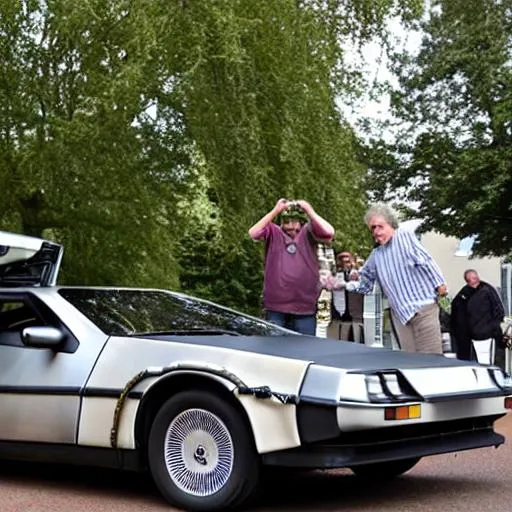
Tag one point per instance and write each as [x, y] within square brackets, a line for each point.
[412, 431]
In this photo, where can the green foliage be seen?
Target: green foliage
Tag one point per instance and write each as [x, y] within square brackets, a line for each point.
[261, 107]
[76, 148]
[210, 267]
[124, 125]
[445, 303]
[454, 152]
[228, 275]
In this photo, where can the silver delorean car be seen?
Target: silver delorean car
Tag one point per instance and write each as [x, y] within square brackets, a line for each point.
[204, 397]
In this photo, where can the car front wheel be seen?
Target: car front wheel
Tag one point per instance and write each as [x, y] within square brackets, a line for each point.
[385, 470]
[201, 454]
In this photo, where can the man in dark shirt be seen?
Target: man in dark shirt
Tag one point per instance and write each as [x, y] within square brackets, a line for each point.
[292, 282]
[476, 315]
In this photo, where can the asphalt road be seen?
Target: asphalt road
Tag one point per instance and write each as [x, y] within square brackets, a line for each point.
[477, 480]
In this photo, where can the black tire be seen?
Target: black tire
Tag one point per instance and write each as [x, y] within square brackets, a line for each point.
[385, 470]
[195, 429]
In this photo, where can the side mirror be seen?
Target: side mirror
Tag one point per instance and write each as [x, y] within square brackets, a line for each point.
[42, 337]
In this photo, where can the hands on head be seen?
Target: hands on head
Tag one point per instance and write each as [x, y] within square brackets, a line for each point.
[283, 204]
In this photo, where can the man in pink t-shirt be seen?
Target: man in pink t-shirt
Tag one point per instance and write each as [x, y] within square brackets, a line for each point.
[291, 284]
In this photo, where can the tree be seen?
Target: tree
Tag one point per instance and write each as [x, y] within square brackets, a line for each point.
[261, 82]
[77, 147]
[453, 151]
[114, 113]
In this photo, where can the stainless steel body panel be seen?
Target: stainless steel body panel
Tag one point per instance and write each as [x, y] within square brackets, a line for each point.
[38, 418]
[274, 425]
[39, 388]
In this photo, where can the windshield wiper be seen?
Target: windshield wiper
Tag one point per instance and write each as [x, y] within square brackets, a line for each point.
[184, 332]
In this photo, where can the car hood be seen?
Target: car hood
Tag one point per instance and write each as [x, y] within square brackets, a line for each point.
[28, 261]
[338, 354]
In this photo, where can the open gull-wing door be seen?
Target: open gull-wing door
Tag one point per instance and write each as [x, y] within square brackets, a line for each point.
[28, 261]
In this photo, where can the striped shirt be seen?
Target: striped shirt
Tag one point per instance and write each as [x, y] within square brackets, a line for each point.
[406, 272]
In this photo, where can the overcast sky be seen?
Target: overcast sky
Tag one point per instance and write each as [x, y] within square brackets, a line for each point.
[377, 69]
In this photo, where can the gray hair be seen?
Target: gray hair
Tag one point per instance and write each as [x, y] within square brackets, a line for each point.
[382, 210]
[470, 271]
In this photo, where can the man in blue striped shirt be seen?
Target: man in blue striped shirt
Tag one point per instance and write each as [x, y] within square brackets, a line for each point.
[408, 276]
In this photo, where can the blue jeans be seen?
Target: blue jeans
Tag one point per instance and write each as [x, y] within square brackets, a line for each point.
[305, 324]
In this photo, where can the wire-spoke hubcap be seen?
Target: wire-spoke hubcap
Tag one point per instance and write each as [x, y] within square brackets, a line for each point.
[198, 452]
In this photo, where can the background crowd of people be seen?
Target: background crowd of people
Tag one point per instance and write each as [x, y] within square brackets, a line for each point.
[399, 264]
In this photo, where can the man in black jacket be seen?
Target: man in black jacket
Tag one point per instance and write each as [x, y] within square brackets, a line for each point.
[476, 315]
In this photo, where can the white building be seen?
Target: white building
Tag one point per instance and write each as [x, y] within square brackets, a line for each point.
[454, 256]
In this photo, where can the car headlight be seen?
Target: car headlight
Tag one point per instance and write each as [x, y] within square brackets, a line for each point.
[374, 388]
[389, 387]
[501, 379]
[498, 376]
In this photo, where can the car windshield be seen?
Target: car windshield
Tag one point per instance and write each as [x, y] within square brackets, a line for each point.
[141, 312]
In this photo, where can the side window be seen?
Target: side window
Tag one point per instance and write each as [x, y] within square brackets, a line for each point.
[15, 315]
